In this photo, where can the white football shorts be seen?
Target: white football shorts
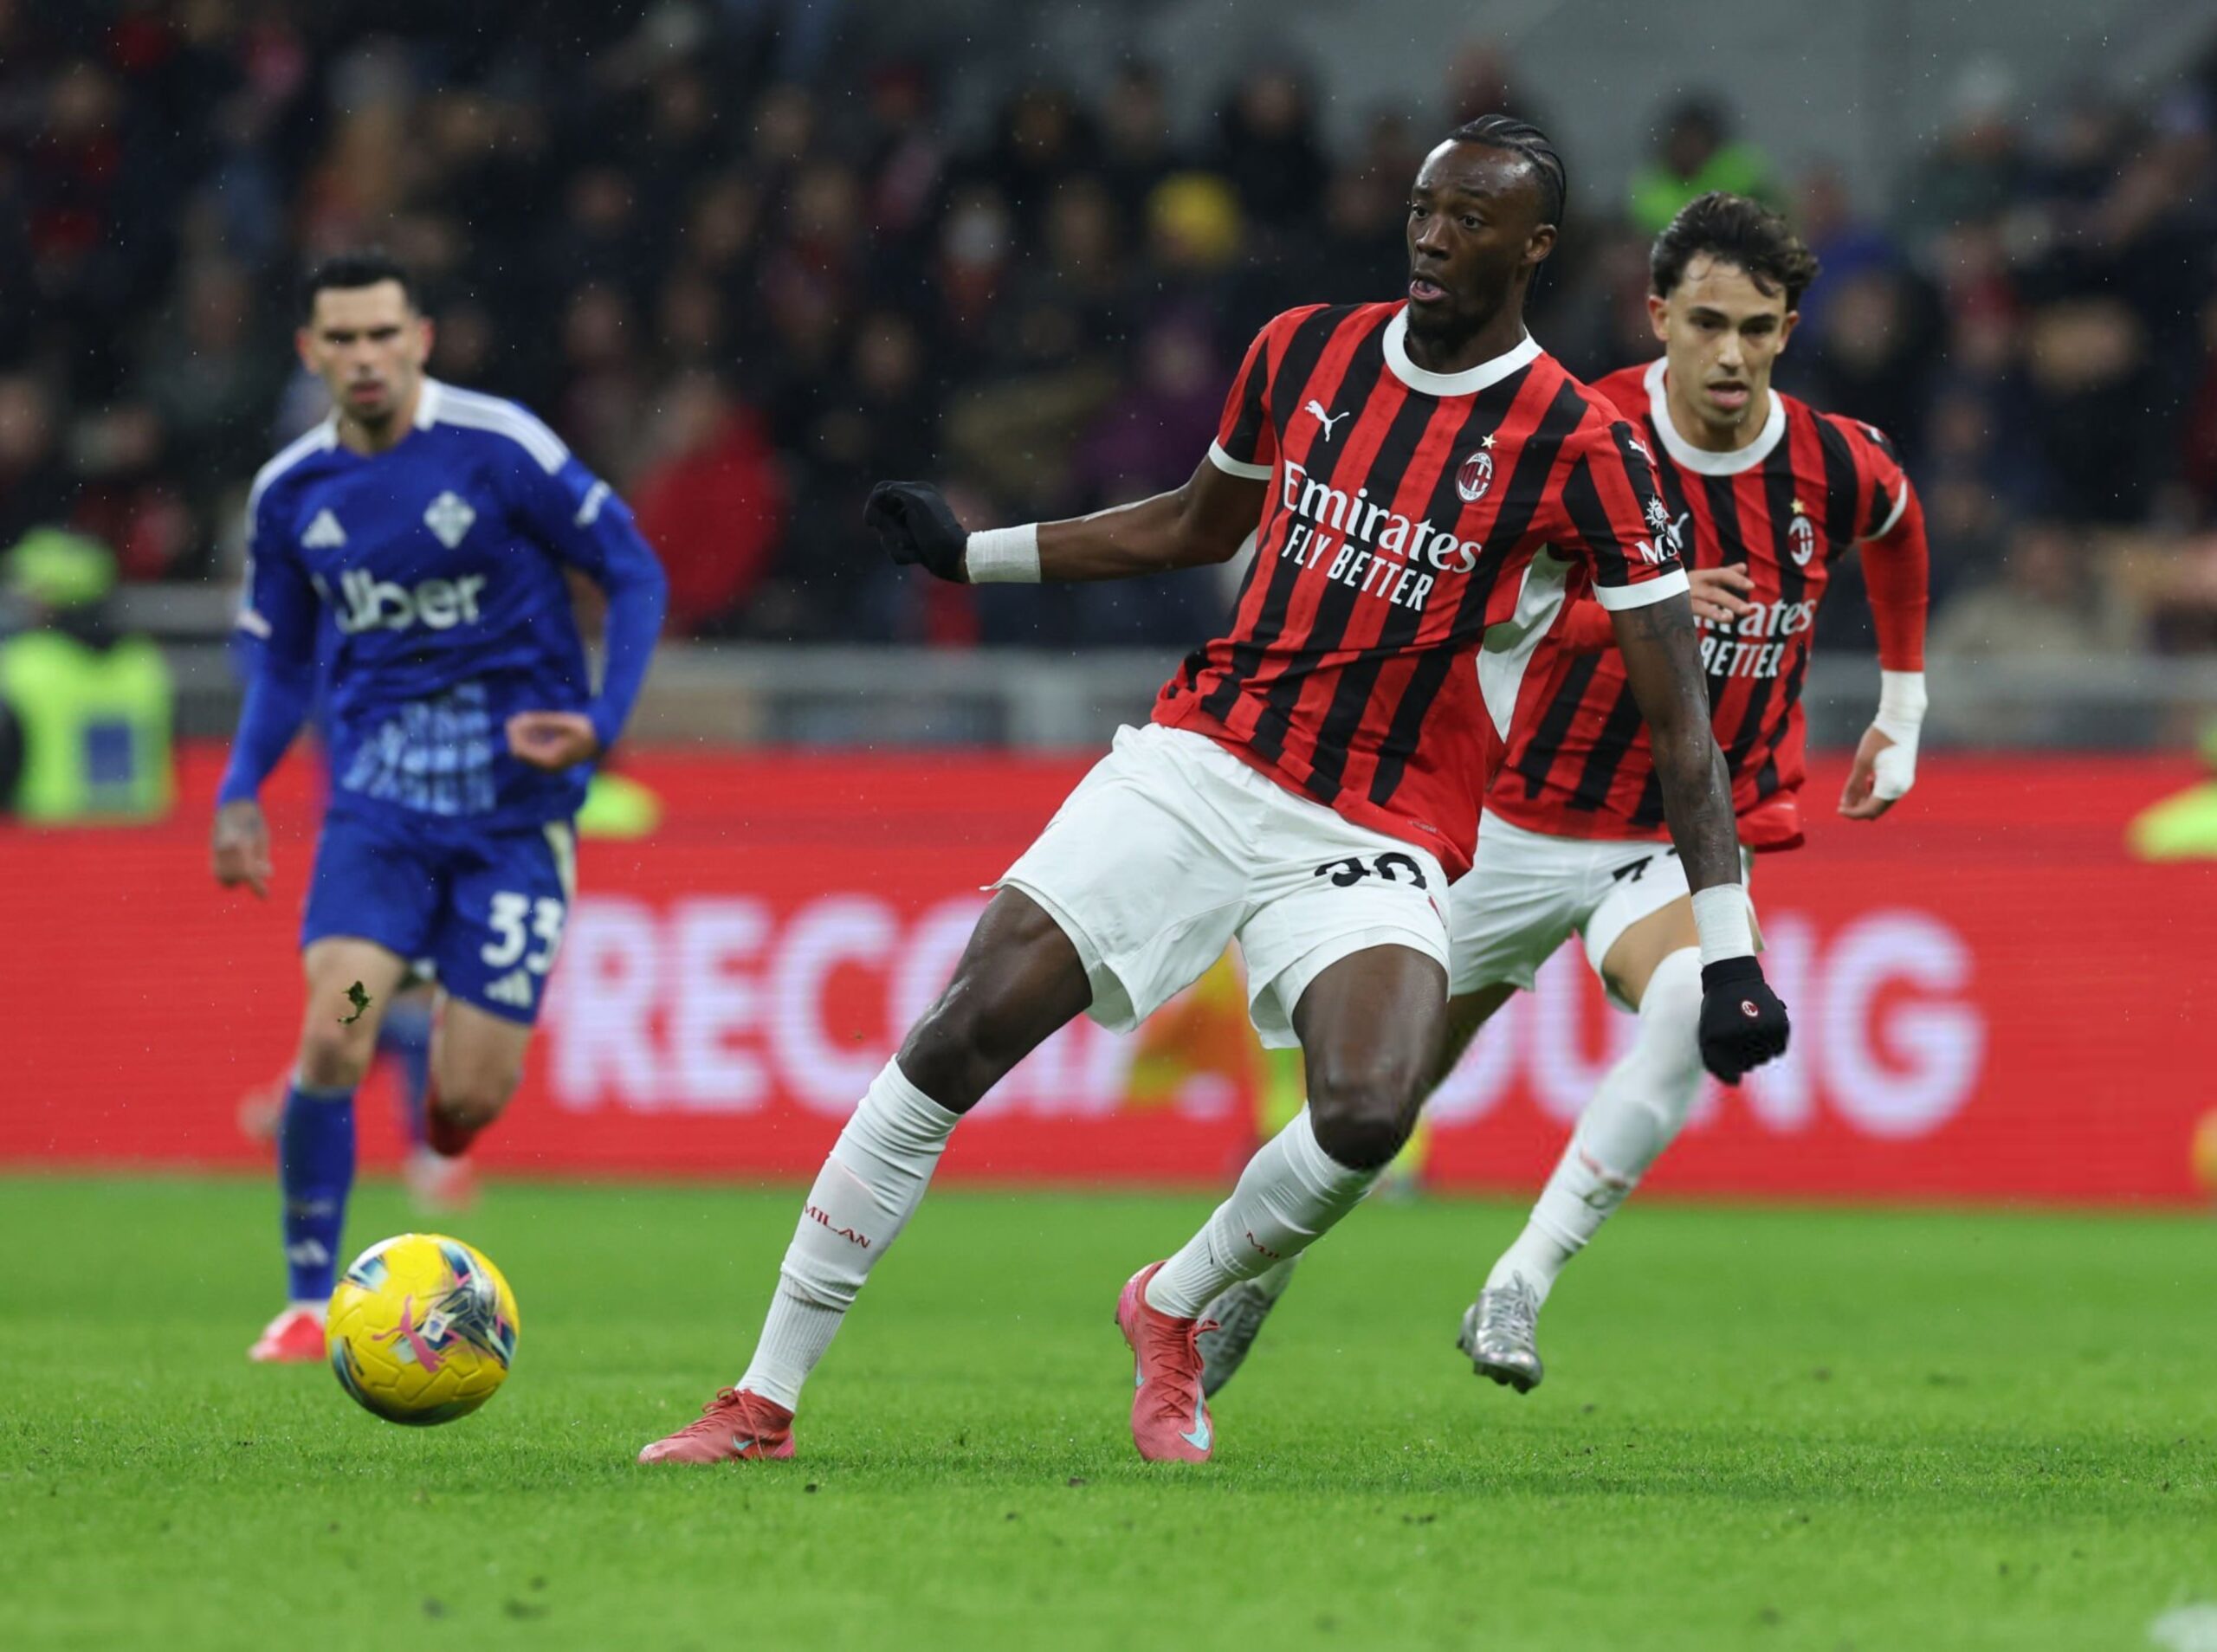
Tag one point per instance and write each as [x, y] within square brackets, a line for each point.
[1530, 892]
[1172, 848]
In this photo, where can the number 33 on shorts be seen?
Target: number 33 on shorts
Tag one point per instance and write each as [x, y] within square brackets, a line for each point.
[510, 911]
[526, 934]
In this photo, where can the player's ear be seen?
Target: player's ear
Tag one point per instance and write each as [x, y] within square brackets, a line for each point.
[426, 333]
[1658, 317]
[1538, 245]
[1786, 328]
[304, 345]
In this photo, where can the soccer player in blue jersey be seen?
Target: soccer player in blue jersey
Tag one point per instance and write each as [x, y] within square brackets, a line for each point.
[408, 557]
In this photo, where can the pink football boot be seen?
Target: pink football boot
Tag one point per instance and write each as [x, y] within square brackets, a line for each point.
[735, 1425]
[1170, 1418]
[293, 1338]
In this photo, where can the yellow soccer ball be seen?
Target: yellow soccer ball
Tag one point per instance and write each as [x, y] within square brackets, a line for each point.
[422, 1329]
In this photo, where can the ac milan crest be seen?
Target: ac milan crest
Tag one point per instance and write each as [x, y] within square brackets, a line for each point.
[1802, 540]
[1475, 476]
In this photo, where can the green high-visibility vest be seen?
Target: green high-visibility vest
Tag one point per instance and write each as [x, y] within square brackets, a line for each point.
[95, 726]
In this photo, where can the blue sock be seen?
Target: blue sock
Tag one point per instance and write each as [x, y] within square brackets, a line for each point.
[405, 1035]
[316, 1152]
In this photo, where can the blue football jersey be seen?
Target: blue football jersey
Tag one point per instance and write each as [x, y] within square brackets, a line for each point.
[424, 587]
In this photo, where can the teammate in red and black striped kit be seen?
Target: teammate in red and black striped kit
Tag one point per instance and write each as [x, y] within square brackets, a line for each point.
[1809, 489]
[1426, 493]
[1764, 495]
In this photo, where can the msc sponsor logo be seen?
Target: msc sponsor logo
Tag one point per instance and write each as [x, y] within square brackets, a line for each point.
[365, 603]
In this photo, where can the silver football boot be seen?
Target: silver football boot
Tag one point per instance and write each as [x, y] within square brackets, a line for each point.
[1501, 1332]
[1238, 1312]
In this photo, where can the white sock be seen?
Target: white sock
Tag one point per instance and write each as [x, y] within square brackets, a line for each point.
[863, 1197]
[1633, 1116]
[1291, 1190]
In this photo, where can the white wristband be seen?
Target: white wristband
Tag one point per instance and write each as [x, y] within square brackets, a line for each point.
[1003, 556]
[1901, 715]
[1726, 920]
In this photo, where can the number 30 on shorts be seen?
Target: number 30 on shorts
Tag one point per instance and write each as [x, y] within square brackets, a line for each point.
[1348, 873]
[515, 921]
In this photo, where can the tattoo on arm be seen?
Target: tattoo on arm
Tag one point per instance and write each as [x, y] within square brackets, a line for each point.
[1657, 621]
[1662, 665]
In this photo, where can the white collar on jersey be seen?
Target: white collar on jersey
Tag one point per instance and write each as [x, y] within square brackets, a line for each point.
[427, 403]
[1468, 382]
[1700, 461]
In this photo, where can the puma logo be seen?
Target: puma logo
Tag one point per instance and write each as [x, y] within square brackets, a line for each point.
[1327, 420]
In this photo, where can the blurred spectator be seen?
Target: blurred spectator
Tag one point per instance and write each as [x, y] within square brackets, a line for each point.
[1697, 153]
[1267, 147]
[34, 486]
[85, 709]
[2089, 372]
[1480, 81]
[710, 499]
[1879, 353]
[1846, 243]
[1137, 149]
[1978, 169]
[2048, 605]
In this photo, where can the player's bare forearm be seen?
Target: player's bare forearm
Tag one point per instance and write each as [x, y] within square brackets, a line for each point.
[1205, 521]
[1662, 666]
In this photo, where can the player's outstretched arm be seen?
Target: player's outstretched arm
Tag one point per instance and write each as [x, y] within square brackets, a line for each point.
[584, 523]
[1205, 520]
[278, 695]
[1743, 1023]
[1897, 569]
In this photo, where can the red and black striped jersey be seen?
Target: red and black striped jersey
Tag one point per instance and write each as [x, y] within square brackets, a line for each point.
[1804, 493]
[1422, 537]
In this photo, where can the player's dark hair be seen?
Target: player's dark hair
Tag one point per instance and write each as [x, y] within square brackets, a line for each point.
[349, 270]
[1735, 230]
[1522, 138]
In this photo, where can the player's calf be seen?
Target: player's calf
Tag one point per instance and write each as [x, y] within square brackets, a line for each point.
[476, 1067]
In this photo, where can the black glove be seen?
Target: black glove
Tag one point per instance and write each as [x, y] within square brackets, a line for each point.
[913, 524]
[1743, 1023]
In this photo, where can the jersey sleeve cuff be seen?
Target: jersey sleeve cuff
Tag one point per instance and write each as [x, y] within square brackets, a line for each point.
[1617, 599]
[1232, 466]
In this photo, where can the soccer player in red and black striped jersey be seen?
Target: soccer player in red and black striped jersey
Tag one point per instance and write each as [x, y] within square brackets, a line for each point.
[1427, 493]
[1765, 494]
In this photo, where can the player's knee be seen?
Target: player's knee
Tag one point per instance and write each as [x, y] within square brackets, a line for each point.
[1362, 1110]
[335, 1057]
[477, 1097]
[1670, 1020]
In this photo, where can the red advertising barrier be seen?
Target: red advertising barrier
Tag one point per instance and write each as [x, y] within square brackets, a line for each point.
[1992, 999]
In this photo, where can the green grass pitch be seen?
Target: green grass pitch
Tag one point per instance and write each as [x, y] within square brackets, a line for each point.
[1762, 1428]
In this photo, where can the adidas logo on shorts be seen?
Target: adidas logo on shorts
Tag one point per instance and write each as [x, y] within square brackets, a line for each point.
[512, 988]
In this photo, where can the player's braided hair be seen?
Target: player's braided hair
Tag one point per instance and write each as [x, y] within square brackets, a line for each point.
[1506, 131]
[1738, 231]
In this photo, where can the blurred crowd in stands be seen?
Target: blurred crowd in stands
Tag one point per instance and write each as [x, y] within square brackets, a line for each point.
[745, 275]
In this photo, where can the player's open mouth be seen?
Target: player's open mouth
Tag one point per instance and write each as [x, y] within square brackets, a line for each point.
[1730, 396]
[366, 392]
[1424, 290]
